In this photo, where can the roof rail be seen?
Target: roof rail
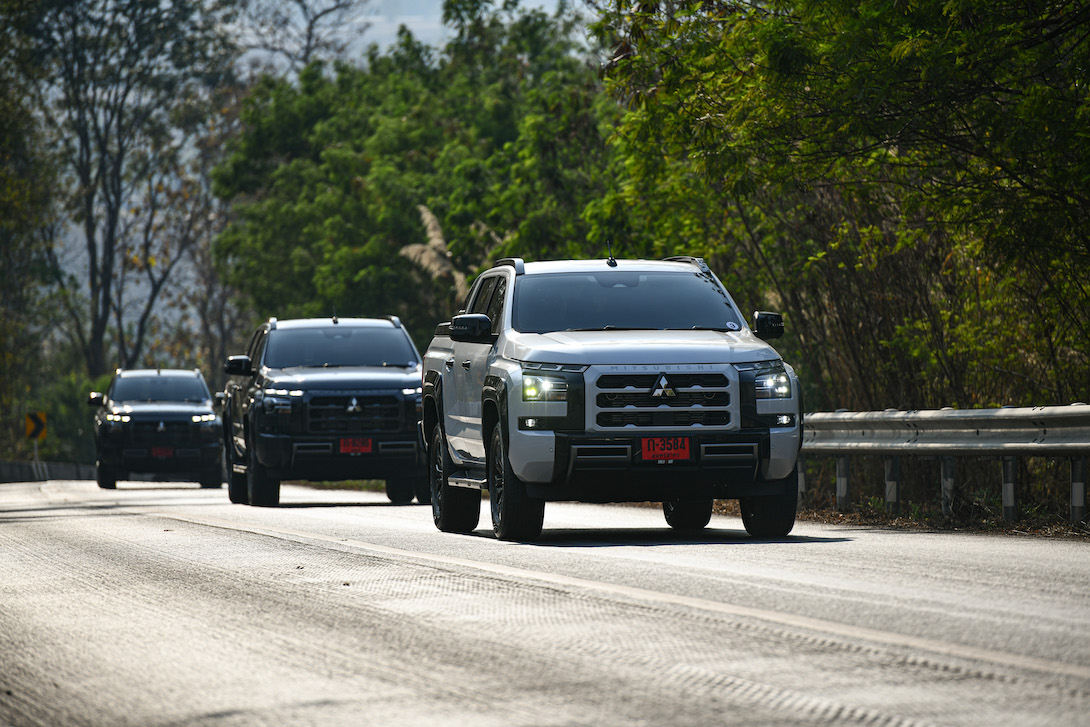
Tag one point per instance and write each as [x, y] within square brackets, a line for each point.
[515, 262]
[272, 323]
[697, 261]
[395, 320]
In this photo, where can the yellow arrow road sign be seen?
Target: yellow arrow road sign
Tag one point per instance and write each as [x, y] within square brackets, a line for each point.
[35, 425]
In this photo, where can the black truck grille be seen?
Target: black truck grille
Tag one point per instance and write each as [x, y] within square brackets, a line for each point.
[353, 414]
[155, 432]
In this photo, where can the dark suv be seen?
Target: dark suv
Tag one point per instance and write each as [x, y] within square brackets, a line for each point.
[159, 421]
[324, 399]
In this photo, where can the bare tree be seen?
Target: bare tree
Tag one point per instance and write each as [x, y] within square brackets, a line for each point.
[300, 31]
[116, 70]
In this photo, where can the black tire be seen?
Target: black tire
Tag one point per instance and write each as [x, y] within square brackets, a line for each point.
[238, 489]
[263, 490]
[772, 516]
[106, 478]
[400, 490]
[688, 514]
[211, 478]
[454, 509]
[515, 515]
[422, 485]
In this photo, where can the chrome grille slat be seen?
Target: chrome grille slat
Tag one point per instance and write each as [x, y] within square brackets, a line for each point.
[695, 399]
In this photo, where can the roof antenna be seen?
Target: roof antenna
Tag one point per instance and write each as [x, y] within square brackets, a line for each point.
[334, 315]
[611, 262]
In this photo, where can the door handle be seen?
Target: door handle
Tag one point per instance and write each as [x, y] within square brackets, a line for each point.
[466, 364]
[449, 362]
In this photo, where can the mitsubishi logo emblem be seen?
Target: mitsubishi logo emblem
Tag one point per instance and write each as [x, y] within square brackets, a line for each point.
[354, 406]
[161, 428]
[662, 388]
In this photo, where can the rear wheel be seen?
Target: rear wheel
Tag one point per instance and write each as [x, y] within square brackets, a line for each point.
[772, 516]
[263, 489]
[211, 477]
[106, 478]
[454, 509]
[688, 514]
[422, 485]
[515, 515]
[400, 490]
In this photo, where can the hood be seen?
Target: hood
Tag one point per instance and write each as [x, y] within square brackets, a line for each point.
[638, 347]
[344, 377]
[163, 409]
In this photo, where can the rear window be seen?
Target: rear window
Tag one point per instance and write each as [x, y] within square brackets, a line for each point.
[621, 299]
[339, 346]
[159, 388]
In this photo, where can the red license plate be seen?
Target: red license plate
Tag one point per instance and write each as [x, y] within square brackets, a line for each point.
[656, 448]
[355, 445]
[162, 452]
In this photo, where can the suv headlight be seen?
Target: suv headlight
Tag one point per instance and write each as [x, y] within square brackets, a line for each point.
[543, 388]
[774, 384]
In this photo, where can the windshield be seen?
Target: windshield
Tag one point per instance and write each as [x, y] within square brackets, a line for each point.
[339, 346]
[623, 300]
[159, 388]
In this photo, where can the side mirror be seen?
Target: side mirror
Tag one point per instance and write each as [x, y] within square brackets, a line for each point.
[471, 328]
[238, 366]
[95, 398]
[766, 325]
[221, 399]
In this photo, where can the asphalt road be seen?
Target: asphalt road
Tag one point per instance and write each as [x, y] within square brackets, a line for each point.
[163, 604]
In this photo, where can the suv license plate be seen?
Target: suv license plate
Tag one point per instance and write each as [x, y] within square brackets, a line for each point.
[162, 452]
[355, 445]
[659, 448]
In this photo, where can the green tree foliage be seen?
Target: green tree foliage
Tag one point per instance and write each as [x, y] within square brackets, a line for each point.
[27, 177]
[907, 180]
[500, 135]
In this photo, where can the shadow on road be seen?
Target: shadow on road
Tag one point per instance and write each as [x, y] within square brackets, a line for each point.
[612, 537]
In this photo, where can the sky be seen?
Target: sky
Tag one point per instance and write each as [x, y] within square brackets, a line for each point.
[422, 17]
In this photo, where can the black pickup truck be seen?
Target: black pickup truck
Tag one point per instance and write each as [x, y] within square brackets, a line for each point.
[324, 399]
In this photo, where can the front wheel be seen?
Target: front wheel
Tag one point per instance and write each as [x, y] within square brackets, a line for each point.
[454, 509]
[106, 478]
[400, 490]
[688, 514]
[515, 515]
[238, 489]
[263, 489]
[772, 516]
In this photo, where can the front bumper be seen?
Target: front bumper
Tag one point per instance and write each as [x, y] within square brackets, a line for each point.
[611, 467]
[392, 454]
[164, 458]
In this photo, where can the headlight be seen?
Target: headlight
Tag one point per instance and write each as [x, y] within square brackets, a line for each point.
[118, 418]
[276, 405]
[411, 391]
[543, 388]
[773, 385]
[200, 418]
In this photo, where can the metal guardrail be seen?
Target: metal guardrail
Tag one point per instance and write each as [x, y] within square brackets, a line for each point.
[1007, 433]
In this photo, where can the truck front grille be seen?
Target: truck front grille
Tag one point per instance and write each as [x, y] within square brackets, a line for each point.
[662, 400]
[161, 432]
[353, 414]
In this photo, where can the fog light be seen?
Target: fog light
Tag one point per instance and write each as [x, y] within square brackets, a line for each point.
[785, 420]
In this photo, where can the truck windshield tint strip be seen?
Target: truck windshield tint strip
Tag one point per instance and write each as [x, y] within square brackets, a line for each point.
[338, 346]
[619, 299]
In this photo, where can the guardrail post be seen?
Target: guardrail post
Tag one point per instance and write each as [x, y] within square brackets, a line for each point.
[800, 467]
[1078, 489]
[948, 467]
[1010, 494]
[843, 485]
[893, 485]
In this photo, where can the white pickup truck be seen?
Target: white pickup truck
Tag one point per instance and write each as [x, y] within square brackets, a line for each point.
[608, 381]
